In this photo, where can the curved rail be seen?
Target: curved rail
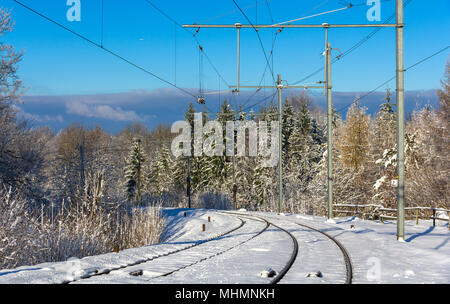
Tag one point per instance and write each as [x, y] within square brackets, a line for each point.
[97, 273]
[220, 252]
[291, 261]
[345, 254]
[347, 260]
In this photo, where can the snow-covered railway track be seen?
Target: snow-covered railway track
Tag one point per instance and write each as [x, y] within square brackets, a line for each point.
[172, 262]
[345, 254]
[96, 272]
[328, 252]
[293, 255]
[267, 224]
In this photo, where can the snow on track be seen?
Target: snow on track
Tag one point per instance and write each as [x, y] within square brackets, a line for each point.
[316, 253]
[376, 255]
[242, 264]
[245, 250]
[164, 269]
[184, 232]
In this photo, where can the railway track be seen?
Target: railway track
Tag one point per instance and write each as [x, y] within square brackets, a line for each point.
[136, 268]
[219, 252]
[291, 260]
[95, 273]
[138, 272]
[346, 256]
[342, 249]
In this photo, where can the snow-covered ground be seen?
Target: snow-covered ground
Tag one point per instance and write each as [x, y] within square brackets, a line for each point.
[246, 253]
[377, 257]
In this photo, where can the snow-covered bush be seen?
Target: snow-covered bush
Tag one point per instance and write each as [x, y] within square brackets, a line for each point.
[19, 233]
[212, 200]
[79, 229]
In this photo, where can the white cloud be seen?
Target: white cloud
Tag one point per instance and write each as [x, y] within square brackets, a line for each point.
[102, 111]
[37, 117]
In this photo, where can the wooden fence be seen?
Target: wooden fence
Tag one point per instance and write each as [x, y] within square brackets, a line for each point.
[378, 212]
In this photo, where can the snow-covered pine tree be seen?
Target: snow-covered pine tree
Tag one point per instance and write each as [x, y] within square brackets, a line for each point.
[304, 156]
[180, 164]
[244, 170]
[383, 129]
[385, 187]
[263, 178]
[382, 139]
[217, 170]
[288, 130]
[161, 175]
[263, 182]
[133, 172]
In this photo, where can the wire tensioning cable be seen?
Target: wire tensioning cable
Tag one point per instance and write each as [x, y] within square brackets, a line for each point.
[307, 17]
[105, 49]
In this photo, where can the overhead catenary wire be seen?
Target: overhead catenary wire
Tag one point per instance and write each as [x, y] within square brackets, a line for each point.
[364, 3]
[105, 49]
[261, 101]
[232, 12]
[274, 38]
[190, 33]
[352, 48]
[273, 46]
[259, 38]
[307, 17]
[392, 78]
[103, 14]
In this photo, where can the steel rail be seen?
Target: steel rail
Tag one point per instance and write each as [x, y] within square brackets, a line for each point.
[97, 273]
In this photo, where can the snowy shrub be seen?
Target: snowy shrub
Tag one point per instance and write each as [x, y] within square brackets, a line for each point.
[29, 237]
[19, 236]
[212, 200]
[143, 227]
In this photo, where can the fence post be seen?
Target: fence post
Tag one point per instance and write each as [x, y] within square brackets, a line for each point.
[434, 217]
[203, 227]
[417, 216]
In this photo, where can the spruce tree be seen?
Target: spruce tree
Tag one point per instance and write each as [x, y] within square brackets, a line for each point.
[133, 172]
[262, 185]
[217, 171]
[288, 130]
[161, 175]
[180, 164]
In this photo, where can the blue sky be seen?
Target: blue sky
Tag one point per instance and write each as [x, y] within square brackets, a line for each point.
[58, 63]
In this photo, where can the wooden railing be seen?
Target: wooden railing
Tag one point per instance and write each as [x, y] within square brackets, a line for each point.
[378, 212]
